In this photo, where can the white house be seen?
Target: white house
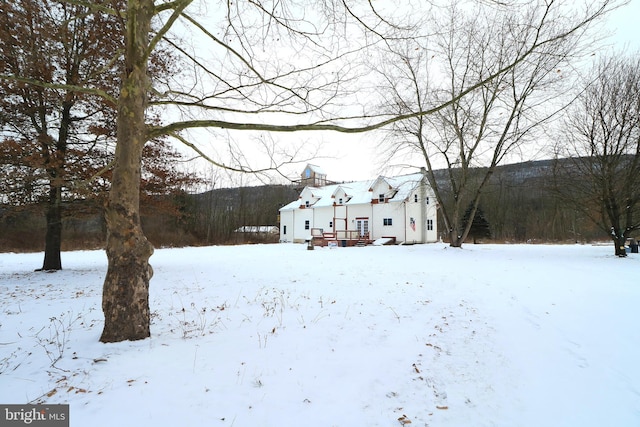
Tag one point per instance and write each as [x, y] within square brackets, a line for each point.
[401, 209]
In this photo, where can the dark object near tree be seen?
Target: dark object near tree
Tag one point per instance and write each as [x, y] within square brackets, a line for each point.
[479, 225]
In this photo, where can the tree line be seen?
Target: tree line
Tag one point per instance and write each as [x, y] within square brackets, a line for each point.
[172, 220]
[521, 205]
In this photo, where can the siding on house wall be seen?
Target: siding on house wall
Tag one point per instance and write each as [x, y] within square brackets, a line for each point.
[393, 211]
[286, 226]
[323, 215]
[358, 211]
[431, 214]
[300, 217]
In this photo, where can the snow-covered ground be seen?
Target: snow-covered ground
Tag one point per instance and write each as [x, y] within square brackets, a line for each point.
[276, 335]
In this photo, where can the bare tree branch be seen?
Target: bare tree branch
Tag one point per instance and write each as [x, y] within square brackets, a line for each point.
[59, 86]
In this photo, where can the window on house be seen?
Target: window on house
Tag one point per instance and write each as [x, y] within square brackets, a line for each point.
[429, 224]
[340, 201]
[306, 225]
[415, 198]
[426, 200]
[284, 231]
[330, 224]
[387, 221]
[381, 198]
[306, 204]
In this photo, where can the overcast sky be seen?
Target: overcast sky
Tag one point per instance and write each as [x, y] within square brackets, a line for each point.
[625, 23]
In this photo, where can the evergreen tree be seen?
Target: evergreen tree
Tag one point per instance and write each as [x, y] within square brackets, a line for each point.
[479, 225]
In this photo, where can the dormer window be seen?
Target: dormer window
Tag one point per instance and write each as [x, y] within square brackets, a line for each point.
[415, 198]
[381, 198]
[340, 201]
[306, 204]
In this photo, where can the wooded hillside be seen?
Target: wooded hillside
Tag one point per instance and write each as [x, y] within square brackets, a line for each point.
[519, 206]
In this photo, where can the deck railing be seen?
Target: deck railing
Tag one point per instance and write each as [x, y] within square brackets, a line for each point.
[338, 235]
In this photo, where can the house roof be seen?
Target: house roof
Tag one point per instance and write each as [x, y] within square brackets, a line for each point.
[405, 185]
[358, 192]
[317, 169]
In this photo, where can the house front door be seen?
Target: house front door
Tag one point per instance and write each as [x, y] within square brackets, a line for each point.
[362, 225]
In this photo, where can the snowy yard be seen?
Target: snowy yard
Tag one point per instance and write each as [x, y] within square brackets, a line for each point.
[275, 335]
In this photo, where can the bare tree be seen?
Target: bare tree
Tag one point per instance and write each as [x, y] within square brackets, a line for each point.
[601, 175]
[535, 43]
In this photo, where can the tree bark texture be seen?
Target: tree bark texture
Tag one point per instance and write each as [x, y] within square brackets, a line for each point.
[56, 170]
[620, 249]
[53, 237]
[125, 300]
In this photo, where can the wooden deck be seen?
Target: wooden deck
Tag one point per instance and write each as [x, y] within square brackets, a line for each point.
[343, 238]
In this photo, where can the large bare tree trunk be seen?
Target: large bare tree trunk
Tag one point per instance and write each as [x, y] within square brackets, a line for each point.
[56, 171]
[619, 245]
[125, 300]
[53, 237]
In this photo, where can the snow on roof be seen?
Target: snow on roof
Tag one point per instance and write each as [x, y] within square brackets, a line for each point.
[358, 191]
[257, 229]
[405, 185]
[317, 169]
[290, 206]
